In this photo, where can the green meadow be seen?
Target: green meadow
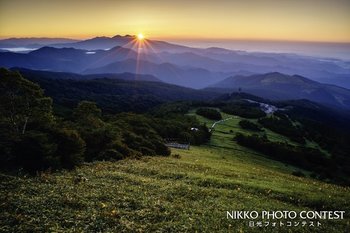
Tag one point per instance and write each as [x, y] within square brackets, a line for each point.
[190, 191]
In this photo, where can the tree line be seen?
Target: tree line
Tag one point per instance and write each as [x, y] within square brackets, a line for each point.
[312, 159]
[34, 138]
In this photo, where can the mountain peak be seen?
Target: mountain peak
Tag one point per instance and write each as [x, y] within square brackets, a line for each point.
[101, 37]
[125, 36]
[275, 74]
[279, 86]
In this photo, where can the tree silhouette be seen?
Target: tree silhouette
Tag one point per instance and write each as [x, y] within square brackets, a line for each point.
[22, 102]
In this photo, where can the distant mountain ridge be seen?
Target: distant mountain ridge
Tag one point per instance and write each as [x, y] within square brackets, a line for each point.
[33, 42]
[64, 59]
[277, 86]
[167, 72]
[73, 76]
[115, 60]
[95, 43]
[172, 63]
[114, 93]
[127, 41]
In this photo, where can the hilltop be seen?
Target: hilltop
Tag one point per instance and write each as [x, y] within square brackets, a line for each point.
[148, 194]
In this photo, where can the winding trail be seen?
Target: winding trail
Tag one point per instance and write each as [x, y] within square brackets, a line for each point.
[218, 122]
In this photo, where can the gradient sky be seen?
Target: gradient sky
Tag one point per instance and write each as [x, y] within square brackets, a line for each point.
[301, 20]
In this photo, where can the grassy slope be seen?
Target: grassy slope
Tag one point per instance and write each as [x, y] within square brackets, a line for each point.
[188, 194]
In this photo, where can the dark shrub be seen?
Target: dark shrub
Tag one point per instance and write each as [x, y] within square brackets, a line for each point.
[185, 137]
[285, 127]
[122, 148]
[247, 110]
[71, 148]
[147, 151]
[56, 148]
[161, 149]
[298, 174]
[308, 158]
[209, 113]
[35, 151]
[110, 155]
[245, 124]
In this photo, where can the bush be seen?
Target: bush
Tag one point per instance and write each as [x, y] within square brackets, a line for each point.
[245, 124]
[247, 110]
[122, 148]
[54, 148]
[97, 140]
[285, 127]
[35, 151]
[161, 149]
[110, 155]
[209, 113]
[308, 158]
[176, 156]
[201, 136]
[298, 174]
[147, 151]
[70, 148]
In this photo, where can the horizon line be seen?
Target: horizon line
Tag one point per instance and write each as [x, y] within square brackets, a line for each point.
[194, 39]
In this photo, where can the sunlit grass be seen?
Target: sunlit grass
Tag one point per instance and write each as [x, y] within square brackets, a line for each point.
[166, 194]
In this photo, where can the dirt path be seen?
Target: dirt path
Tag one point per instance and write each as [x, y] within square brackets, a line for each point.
[218, 122]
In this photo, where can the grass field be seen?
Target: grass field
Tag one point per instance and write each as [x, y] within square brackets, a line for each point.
[189, 191]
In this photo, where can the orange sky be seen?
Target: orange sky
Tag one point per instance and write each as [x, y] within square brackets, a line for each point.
[302, 20]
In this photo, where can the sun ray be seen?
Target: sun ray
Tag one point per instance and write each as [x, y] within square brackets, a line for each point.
[140, 36]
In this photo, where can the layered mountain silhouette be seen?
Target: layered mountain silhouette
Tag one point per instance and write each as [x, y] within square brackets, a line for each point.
[167, 72]
[115, 60]
[64, 59]
[189, 67]
[332, 71]
[32, 42]
[277, 86]
[127, 41]
[112, 92]
[73, 76]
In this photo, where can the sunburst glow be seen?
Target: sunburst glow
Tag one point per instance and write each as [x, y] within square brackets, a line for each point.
[140, 36]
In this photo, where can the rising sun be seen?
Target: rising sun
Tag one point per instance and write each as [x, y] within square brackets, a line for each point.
[140, 36]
